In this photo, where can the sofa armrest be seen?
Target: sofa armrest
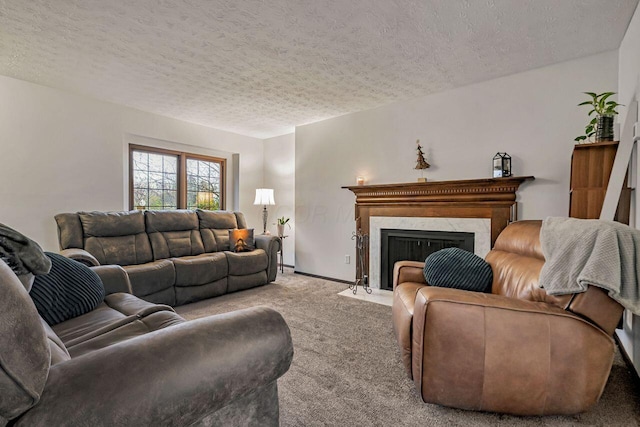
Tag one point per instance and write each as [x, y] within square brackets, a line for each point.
[408, 271]
[271, 245]
[492, 353]
[114, 279]
[80, 255]
[174, 376]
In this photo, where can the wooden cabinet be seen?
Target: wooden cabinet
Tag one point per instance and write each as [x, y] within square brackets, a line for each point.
[591, 166]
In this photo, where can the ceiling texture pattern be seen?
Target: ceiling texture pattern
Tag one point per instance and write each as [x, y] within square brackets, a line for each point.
[261, 67]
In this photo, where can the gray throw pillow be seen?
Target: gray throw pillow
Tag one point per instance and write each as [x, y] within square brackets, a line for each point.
[457, 268]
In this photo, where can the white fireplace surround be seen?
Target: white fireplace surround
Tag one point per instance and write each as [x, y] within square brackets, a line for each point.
[481, 227]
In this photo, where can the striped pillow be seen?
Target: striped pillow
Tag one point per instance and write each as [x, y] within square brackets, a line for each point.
[457, 268]
[69, 290]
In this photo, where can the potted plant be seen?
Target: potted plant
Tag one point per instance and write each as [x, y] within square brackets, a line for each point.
[281, 223]
[602, 124]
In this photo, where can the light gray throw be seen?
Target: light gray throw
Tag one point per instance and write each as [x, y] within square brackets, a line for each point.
[582, 252]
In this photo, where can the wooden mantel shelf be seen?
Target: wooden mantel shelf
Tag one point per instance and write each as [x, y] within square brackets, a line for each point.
[491, 198]
[469, 190]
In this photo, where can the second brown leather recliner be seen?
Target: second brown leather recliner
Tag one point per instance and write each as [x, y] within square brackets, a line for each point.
[516, 350]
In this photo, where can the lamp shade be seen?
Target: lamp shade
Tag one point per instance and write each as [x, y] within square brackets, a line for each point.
[264, 196]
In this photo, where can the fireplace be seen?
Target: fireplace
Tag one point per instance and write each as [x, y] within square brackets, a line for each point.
[415, 245]
[478, 229]
[482, 206]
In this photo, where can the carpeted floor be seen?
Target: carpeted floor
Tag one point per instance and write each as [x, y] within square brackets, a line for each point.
[346, 370]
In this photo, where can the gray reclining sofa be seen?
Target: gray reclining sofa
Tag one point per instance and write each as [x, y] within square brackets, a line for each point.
[172, 257]
[129, 362]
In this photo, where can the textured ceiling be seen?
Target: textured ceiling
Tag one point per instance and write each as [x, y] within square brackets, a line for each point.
[261, 67]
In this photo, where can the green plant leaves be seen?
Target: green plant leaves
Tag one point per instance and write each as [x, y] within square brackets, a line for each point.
[602, 107]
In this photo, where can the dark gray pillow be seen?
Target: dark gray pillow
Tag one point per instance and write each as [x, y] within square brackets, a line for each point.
[69, 290]
[457, 268]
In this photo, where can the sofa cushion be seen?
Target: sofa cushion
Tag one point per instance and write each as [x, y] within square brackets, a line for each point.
[25, 352]
[200, 269]
[217, 219]
[151, 277]
[70, 234]
[457, 268]
[174, 233]
[242, 222]
[67, 291]
[116, 237]
[187, 294]
[214, 228]
[245, 263]
[239, 283]
[112, 224]
[121, 250]
[121, 317]
[241, 240]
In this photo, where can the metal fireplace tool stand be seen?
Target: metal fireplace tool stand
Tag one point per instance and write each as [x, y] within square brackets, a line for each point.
[362, 240]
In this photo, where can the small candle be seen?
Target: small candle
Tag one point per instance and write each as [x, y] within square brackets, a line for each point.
[360, 180]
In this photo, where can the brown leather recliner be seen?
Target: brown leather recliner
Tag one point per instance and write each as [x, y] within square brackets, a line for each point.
[516, 350]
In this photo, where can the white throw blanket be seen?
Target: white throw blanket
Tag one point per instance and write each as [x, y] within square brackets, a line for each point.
[582, 252]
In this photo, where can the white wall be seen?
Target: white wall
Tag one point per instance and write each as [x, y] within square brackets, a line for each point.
[63, 153]
[629, 90]
[279, 174]
[531, 115]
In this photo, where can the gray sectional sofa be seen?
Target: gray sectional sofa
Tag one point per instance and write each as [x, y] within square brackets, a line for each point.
[172, 257]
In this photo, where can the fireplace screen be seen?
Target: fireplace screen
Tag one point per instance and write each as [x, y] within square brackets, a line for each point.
[416, 245]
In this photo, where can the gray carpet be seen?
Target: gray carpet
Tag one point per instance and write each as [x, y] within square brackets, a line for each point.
[346, 369]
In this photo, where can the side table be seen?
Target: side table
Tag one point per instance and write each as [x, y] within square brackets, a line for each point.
[281, 263]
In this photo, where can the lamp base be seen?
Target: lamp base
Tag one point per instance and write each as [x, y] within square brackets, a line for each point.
[266, 233]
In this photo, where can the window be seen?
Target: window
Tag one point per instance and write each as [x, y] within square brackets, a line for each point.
[165, 179]
[203, 184]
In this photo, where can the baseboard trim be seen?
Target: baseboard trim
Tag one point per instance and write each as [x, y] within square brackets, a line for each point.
[323, 277]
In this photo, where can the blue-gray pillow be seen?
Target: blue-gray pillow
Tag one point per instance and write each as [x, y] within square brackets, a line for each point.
[69, 290]
[457, 268]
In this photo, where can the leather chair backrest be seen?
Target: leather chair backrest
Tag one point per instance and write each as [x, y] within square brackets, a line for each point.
[516, 260]
[116, 237]
[215, 226]
[173, 233]
[24, 352]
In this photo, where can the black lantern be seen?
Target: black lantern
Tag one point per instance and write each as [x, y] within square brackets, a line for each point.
[501, 165]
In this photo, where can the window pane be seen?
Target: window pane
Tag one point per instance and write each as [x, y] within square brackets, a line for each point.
[155, 180]
[192, 167]
[140, 160]
[155, 162]
[170, 164]
[170, 181]
[192, 182]
[140, 197]
[170, 199]
[155, 199]
[140, 179]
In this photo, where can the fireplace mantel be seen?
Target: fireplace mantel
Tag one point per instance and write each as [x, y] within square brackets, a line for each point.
[468, 190]
[491, 198]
